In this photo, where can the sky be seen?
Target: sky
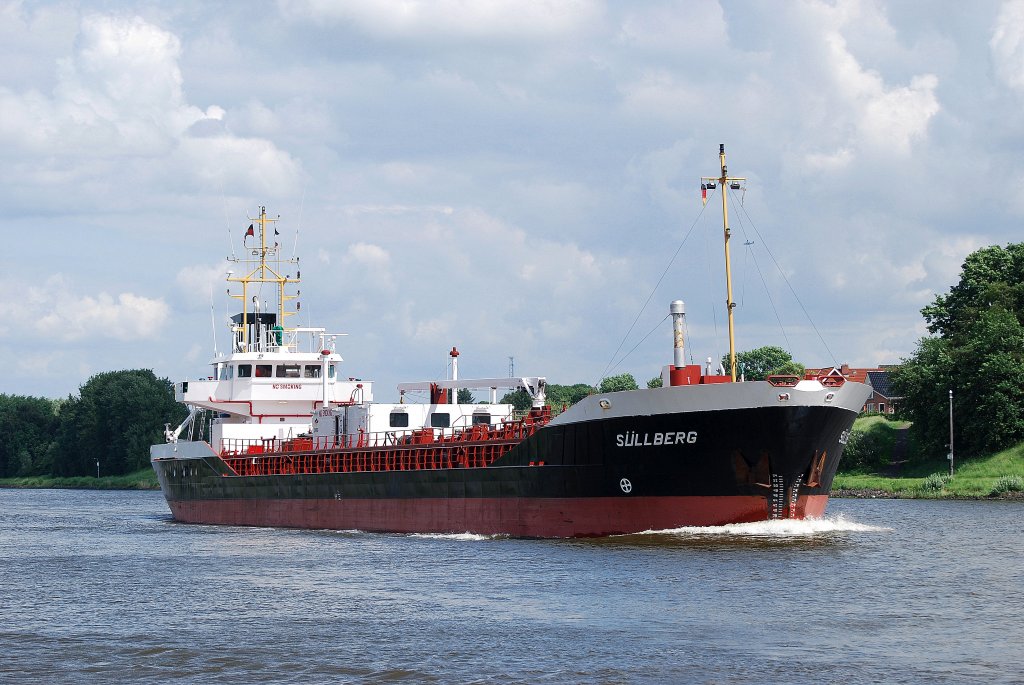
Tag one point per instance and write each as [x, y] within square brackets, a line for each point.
[517, 179]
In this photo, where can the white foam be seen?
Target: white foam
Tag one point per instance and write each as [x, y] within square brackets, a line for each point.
[779, 528]
[465, 537]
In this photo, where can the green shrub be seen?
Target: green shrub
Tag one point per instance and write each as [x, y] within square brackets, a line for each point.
[866, 451]
[1008, 484]
[935, 482]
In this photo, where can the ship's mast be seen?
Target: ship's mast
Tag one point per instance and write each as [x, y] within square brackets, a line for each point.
[259, 269]
[724, 181]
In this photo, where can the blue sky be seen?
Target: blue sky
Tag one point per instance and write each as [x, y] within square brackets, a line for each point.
[508, 177]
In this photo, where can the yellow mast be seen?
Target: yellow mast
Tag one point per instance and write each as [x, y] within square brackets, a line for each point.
[724, 180]
[262, 272]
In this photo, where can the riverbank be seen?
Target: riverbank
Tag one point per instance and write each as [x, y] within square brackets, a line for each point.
[999, 476]
[144, 479]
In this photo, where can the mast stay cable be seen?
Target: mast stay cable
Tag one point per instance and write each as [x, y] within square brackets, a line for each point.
[790, 285]
[609, 365]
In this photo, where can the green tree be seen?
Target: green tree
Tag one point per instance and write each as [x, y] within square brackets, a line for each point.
[977, 351]
[519, 399]
[758, 364]
[465, 396]
[655, 382]
[923, 381]
[624, 381]
[992, 277]
[115, 418]
[567, 395]
[29, 429]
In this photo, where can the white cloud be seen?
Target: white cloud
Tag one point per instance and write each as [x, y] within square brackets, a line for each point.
[55, 311]
[367, 254]
[119, 107]
[201, 281]
[520, 19]
[887, 118]
[1007, 44]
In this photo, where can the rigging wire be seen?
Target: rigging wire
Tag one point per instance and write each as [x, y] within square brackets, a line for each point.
[746, 258]
[790, 285]
[604, 374]
[764, 282]
[711, 285]
[625, 356]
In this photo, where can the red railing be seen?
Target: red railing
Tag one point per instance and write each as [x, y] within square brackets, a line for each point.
[473, 447]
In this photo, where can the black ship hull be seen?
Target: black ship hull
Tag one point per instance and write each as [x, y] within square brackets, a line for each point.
[655, 462]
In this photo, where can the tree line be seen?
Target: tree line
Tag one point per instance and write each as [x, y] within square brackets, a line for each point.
[114, 419]
[976, 349]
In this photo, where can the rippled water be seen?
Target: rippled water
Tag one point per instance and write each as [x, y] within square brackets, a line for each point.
[104, 587]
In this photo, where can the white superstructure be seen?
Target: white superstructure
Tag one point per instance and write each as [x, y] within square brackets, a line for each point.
[279, 383]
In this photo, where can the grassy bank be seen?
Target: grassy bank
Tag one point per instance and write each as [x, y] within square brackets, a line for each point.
[998, 475]
[144, 479]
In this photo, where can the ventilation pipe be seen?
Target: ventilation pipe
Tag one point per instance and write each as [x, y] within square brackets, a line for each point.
[677, 309]
[678, 373]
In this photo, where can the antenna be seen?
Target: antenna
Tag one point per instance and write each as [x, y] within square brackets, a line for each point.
[213, 324]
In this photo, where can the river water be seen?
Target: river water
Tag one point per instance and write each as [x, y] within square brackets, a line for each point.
[105, 587]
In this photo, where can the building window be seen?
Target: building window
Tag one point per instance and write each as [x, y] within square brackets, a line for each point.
[440, 419]
[881, 407]
[399, 419]
[264, 370]
[245, 370]
[311, 371]
[287, 370]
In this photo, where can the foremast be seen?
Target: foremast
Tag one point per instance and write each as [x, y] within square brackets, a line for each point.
[261, 264]
[725, 181]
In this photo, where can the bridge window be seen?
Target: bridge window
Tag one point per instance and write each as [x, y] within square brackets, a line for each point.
[287, 370]
[264, 370]
[399, 419]
[440, 419]
[245, 370]
[481, 418]
[311, 371]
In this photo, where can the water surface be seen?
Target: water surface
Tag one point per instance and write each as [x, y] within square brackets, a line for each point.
[105, 587]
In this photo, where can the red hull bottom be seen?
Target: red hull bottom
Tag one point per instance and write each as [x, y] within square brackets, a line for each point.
[522, 517]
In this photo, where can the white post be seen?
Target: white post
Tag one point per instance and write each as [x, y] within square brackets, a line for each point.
[951, 433]
[325, 354]
[454, 354]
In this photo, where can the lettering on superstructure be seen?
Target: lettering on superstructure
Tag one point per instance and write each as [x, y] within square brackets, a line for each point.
[287, 386]
[635, 439]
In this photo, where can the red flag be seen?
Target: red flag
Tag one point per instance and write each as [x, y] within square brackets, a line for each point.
[250, 232]
[703, 193]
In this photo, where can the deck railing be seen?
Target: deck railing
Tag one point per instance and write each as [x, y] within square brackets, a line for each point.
[426, 448]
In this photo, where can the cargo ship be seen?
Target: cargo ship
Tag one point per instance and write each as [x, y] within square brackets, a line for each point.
[290, 440]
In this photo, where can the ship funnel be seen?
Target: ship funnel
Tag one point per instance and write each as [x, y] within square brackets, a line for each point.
[678, 310]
